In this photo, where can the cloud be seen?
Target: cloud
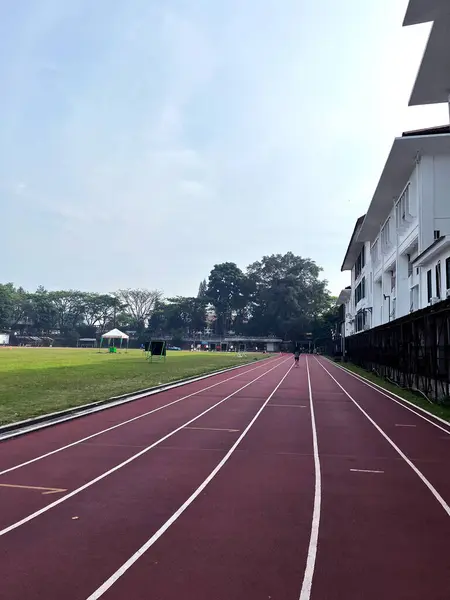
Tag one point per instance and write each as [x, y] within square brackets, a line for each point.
[155, 139]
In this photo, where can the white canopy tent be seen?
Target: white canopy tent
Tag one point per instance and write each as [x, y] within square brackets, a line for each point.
[115, 334]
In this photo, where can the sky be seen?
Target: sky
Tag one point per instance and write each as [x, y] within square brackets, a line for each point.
[142, 142]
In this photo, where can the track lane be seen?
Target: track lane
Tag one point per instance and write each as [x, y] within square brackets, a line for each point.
[83, 462]
[246, 535]
[44, 558]
[424, 443]
[438, 422]
[382, 533]
[33, 446]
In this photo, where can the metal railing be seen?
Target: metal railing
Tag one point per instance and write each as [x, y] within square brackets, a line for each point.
[413, 351]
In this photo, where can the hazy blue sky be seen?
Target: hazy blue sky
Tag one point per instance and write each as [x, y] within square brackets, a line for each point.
[143, 141]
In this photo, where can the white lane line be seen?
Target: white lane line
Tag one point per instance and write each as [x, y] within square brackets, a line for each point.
[90, 437]
[429, 485]
[213, 429]
[44, 490]
[130, 562]
[288, 405]
[404, 425]
[129, 460]
[365, 471]
[305, 592]
[390, 395]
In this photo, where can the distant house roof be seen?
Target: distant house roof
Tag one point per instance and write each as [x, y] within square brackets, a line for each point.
[344, 296]
[354, 247]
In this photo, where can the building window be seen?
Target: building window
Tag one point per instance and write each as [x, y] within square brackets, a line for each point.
[414, 298]
[392, 281]
[386, 236]
[360, 262]
[410, 267]
[374, 253]
[438, 279]
[360, 321]
[429, 286]
[447, 272]
[402, 208]
[360, 291]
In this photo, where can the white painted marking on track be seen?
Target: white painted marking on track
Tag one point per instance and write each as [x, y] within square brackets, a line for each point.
[288, 405]
[44, 490]
[305, 592]
[421, 476]
[129, 460]
[400, 401]
[89, 437]
[130, 562]
[365, 471]
[404, 425]
[213, 429]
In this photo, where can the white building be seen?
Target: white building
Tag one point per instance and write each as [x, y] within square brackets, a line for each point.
[399, 253]
[357, 298]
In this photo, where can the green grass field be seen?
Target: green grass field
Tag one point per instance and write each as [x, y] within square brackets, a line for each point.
[36, 381]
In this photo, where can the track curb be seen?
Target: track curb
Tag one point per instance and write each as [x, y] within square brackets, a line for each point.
[18, 428]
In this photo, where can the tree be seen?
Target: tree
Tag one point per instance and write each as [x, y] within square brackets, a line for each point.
[139, 305]
[41, 311]
[179, 316]
[288, 294]
[69, 307]
[13, 306]
[325, 324]
[227, 291]
[7, 292]
[186, 314]
[99, 309]
[157, 323]
[202, 289]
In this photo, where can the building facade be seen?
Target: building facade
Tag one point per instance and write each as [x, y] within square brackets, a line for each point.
[399, 252]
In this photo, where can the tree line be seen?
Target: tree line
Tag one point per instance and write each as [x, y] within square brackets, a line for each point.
[280, 295]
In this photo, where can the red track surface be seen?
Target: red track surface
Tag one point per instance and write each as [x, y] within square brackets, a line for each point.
[223, 508]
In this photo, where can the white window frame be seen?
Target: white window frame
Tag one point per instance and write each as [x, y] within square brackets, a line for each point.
[385, 235]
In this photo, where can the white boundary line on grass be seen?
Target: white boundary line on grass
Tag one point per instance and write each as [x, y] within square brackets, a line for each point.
[93, 435]
[129, 460]
[149, 543]
[305, 593]
[419, 473]
[389, 394]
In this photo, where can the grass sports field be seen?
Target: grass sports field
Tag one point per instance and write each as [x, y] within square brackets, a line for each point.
[35, 381]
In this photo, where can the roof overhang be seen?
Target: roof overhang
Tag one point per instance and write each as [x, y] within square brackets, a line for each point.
[423, 11]
[344, 297]
[432, 252]
[395, 176]
[432, 85]
[354, 247]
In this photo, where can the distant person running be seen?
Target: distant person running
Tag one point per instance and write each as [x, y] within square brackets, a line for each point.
[297, 357]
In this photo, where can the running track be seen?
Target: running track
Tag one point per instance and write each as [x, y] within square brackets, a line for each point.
[269, 482]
